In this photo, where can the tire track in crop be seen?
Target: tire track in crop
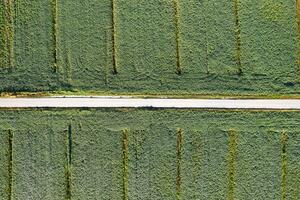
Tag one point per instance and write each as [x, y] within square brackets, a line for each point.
[4, 51]
[125, 152]
[178, 163]
[238, 36]
[298, 22]
[197, 155]
[284, 139]
[232, 164]
[3, 38]
[107, 57]
[69, 66]
[206, 37]
[69, 162]
[10, 16]
[177, 36]
[113, 37]
[55, 34]
[10, 164]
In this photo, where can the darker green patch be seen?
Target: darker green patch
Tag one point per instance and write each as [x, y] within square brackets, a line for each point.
[290, 84]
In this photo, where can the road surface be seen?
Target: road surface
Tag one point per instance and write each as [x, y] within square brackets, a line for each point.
[128, 102]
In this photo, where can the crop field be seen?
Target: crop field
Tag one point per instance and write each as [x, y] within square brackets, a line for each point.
[149, 154]
[176, 47]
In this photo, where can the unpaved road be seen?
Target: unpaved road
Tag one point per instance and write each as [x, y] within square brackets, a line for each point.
[120, 102]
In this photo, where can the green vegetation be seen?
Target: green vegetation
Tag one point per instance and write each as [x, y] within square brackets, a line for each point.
[172, 47]
[298, 23]
[292, 177]
[38, 160]
[263, 164]
[149, 154]
[5, 165]
[7, 34]
[31, 48]
[97, 163]
[269, 33]
[84, 43]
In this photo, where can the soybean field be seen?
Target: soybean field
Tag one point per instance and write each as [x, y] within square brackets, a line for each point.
[171, 154]
[172, 47]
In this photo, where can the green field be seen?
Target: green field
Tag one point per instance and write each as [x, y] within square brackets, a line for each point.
[149, 154]
[174, 47]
